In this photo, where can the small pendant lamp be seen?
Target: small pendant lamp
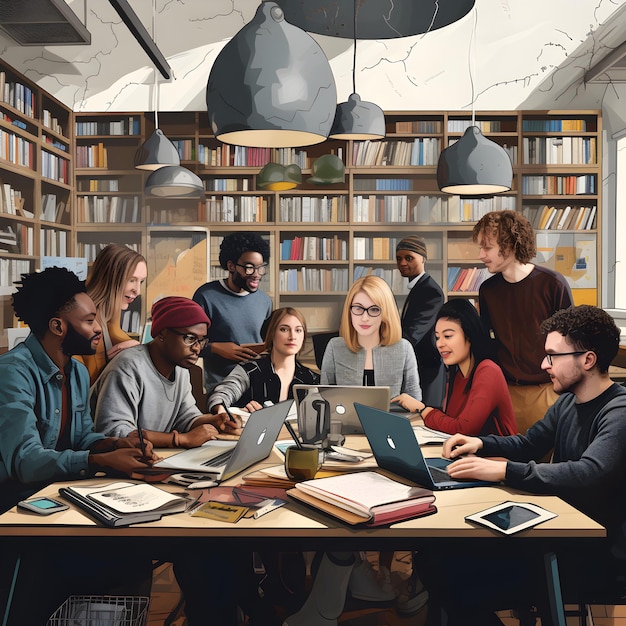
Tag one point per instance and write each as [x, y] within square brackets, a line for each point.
[174, 181]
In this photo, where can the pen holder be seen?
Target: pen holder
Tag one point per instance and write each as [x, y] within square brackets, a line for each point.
[302, 463]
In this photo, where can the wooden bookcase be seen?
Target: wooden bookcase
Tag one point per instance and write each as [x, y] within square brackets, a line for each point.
[323, 237]
[36, 181]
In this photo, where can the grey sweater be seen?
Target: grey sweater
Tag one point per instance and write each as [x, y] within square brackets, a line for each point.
[394, 367]
[130, 388]
[588, 469]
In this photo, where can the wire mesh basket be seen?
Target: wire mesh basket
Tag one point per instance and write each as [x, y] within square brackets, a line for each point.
[101, 611]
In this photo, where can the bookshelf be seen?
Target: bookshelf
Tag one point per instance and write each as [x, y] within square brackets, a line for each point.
[323, 237]
[36, 182]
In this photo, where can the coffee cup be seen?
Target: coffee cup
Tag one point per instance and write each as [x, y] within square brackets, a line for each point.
[302, 463]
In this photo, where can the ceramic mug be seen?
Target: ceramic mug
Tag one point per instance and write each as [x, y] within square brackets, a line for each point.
[302, 463]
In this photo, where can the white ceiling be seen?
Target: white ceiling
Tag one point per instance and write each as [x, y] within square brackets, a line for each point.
[530, 54]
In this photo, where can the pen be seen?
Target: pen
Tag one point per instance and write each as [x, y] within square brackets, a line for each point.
[230, 415]
[142, 442]
[293, 434]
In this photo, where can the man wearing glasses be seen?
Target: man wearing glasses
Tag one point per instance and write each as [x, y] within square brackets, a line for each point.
[150, 388]
[585, 428]
[235, 304]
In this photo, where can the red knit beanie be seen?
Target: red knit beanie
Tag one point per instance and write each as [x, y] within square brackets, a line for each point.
[176, 312]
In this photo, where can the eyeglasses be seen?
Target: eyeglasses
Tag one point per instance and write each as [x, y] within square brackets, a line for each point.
[549, 357]
[191, 340]
[249, 269]
[372, 311]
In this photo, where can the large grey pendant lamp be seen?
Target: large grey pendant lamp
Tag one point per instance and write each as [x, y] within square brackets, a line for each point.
[271, 86]
[357, 119]
[474, 165]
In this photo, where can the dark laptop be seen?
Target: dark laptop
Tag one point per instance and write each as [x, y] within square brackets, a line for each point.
[396, 449]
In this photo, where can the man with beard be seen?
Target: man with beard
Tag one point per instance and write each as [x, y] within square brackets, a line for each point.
[235, 305]
[419, 315]
[586, 429]
[149, 384]
[48, 435]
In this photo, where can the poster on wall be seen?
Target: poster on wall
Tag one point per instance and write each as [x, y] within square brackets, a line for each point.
[571, 254]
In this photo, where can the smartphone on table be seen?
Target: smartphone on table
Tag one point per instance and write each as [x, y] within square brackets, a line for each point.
[42, 505]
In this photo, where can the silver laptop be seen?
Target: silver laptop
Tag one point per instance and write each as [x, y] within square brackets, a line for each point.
[223, 459]
[338, 401]
[396, 449]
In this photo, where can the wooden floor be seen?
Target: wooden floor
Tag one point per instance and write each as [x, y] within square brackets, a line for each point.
[166, 597]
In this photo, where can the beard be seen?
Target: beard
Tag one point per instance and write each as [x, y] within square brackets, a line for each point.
[241, 282]
[75, 343]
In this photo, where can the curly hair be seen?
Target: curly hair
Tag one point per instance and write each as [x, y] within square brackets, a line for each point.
[274, 321]
[113, 268]
[233, 246]
[41, 296]
[511, 230]
[380, 293]
[587, 327]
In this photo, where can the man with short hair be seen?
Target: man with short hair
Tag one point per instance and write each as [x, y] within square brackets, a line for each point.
[148, 386]
[235, 305]
[513, 303]
[586, 428]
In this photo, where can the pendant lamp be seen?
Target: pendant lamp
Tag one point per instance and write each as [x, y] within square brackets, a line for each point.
[474, 165]
[277, 177]
[174, 181]
[356, 119]
[271, 86]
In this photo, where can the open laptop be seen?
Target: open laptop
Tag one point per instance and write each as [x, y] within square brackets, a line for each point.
[396, 449]
[223, 459]
[339, 401]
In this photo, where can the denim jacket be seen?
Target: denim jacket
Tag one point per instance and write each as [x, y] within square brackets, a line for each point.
[30, 417]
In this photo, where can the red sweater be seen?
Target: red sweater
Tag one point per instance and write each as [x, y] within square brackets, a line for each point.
[485, 410]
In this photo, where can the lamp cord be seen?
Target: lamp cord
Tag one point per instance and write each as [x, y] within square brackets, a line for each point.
[472, 63]
[354, 51]
[155, 93]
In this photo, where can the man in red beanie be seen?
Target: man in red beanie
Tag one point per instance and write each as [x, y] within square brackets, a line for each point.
[148, 386]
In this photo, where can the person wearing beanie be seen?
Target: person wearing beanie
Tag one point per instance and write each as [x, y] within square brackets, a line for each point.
[418, 317]
[148, 386]
[236, 306]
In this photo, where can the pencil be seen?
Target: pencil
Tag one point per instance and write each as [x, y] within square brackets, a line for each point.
[230, 415]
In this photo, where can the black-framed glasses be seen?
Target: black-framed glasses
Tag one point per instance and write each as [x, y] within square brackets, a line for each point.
[191, 340]
[249, 269]
[372, 311]
[549, 357]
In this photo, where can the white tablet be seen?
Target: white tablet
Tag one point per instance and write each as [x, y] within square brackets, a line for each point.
[511, 517]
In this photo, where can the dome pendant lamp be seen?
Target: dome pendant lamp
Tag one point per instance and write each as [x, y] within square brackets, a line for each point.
[174, 181]
[271, 86]
[356, 119]
[474, 165]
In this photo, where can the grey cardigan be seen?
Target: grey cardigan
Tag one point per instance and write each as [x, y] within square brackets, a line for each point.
[395, 367]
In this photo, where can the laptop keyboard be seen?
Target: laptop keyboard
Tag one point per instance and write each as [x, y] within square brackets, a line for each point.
[218, 460]
[439, 475]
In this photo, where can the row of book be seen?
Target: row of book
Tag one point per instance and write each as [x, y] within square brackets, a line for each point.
[130, 125]
[313, 209]
[16, 149]
[382, 184]
[560, 150]
[55, 143]
[53, 242]
[420, 151]
[226, 155]
[559, 185]
[313, 279]
[98, 184]
[12, 270]
[375, 248]
[548, 217]
[51, 121]
[11, 238]
[486, 126]
[90, 250]
[226, 184]
[466, 279]
[53, 209]
[418, 126]
[463, 209]
[55, 167]
[108, 209]
[391, 276]
[20, 97]
[314, 249]
[381, 208]
[236, 208]
[92, 156]
[554, 125]
[12, 202]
